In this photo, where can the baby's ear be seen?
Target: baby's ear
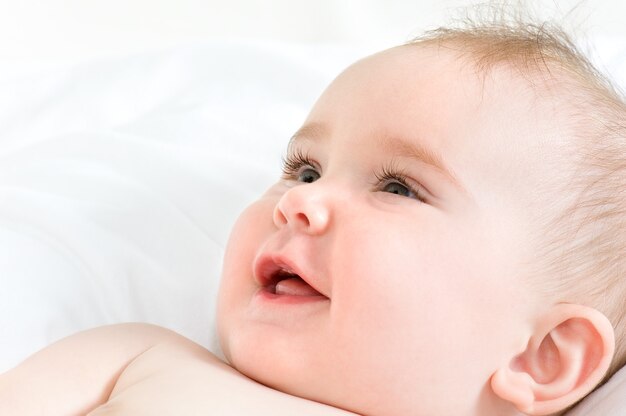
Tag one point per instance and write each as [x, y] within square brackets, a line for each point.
[566, 357]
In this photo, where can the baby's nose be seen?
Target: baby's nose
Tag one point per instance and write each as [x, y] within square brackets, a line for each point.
[305, 208]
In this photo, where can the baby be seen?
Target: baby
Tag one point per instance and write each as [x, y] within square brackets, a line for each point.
[447, 239]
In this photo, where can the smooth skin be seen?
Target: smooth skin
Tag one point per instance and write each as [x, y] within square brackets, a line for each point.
[139, 369]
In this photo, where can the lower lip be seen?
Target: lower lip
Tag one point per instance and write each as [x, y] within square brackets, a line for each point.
[265, 295]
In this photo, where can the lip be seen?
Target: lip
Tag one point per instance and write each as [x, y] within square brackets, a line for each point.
[267, 264]
[266, 295]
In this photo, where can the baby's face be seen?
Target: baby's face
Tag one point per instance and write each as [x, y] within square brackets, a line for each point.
[407, 208]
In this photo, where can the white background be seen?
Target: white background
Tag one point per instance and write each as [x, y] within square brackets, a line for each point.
[33, 31]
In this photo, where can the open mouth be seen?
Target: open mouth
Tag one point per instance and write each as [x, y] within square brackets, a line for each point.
[284, 282]
[279, 279]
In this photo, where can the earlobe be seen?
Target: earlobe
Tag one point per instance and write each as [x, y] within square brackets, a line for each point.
[566, 357]
[515, 387]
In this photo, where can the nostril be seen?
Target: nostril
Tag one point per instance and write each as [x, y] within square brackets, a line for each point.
[279, 218]
[303, 219]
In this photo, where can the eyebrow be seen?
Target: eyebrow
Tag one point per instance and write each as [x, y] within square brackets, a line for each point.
[412, 149]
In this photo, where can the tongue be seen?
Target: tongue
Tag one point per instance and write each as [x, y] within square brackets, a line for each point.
[295, 286]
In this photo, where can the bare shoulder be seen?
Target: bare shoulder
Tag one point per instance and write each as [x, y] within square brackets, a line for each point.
[180, 377]
[77, 374]
[139, 369]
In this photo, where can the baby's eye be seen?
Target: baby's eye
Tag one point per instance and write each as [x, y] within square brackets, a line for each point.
[393, 182]
[397, 188]
[308, 175]
[299, 167]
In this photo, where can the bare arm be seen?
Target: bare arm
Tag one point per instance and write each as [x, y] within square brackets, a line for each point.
[77, 374]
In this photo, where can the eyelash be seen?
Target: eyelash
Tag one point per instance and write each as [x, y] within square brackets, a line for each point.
[295, 161]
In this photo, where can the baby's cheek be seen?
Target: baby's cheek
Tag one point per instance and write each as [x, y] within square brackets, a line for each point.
[248, 235]
[237, 282]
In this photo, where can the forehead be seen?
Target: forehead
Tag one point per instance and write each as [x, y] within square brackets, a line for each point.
[418, 78]
[427, 87]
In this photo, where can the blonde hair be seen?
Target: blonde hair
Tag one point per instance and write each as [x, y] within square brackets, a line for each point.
[584, 245]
